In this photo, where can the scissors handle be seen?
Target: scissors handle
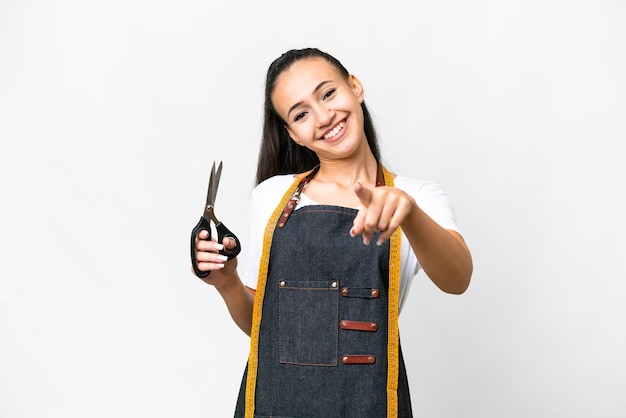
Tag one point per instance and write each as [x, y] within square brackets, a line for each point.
[222, 232]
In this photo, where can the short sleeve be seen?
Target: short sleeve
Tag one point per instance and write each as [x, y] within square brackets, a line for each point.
[434, 201]
[263, 201]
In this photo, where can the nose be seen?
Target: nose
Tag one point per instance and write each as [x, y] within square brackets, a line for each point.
[323, 115]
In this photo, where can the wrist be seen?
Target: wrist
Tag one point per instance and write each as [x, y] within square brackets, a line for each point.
[229, 282]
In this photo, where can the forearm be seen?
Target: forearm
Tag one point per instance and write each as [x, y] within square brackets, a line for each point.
[442, 253]
[239, 300]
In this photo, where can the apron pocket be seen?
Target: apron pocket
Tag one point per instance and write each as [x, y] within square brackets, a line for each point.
[308, 316]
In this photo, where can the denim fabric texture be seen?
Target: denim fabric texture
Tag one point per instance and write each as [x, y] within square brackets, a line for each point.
[301, 346]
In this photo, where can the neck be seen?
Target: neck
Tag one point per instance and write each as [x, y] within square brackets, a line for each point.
[347, 172]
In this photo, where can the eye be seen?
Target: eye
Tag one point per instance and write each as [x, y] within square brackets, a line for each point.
[299, 116]
[329, 93]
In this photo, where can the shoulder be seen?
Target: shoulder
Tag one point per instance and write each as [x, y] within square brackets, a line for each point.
[279, 182]
[419, 189]
[269, 191]
[431, 198]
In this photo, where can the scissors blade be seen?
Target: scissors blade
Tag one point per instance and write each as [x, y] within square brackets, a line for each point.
[214, 181]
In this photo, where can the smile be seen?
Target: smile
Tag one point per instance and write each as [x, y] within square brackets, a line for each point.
[333, 132]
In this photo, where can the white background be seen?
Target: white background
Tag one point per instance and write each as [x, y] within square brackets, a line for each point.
[111, 113]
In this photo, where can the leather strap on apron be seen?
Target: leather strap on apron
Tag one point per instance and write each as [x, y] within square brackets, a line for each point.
[393, 344]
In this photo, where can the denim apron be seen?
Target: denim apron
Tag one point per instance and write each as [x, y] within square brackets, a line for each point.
[323, 333]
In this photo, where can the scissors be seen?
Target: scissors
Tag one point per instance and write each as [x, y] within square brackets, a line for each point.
[205, 224]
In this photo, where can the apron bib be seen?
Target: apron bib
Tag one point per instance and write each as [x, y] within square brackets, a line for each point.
[321, 348]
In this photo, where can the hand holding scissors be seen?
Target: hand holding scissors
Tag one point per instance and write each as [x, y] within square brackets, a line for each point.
[205, 224]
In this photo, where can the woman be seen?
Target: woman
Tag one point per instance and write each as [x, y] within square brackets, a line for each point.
[322, 312]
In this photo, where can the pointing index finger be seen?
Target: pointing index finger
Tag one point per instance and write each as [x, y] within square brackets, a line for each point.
[363, 193]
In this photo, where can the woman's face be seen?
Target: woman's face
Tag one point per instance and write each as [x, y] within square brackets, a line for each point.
[321, 108]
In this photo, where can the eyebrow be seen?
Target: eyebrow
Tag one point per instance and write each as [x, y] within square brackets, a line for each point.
[319, 86]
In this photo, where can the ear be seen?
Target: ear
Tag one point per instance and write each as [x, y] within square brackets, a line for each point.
[292, 135]
[357, 87]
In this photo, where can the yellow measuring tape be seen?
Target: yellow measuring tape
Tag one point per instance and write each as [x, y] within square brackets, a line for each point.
[393, 311]
[393, 344]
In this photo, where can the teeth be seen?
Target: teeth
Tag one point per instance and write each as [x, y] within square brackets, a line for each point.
[334, 132]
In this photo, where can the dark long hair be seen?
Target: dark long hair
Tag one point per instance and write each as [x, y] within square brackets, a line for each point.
[279, 154]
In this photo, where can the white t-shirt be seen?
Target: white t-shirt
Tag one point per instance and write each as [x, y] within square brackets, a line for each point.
[430, 197]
